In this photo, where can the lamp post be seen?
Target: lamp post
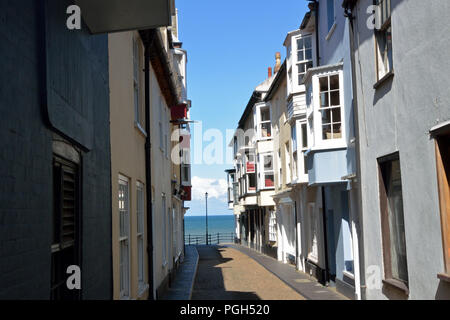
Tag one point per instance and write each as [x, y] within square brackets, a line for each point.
[206, 197]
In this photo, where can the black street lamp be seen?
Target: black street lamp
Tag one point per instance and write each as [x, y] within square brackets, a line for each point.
[206, 197]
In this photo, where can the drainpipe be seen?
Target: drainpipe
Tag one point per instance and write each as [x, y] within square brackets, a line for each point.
[316, 15]
[349, 15]
[148, 163]
[325, 237]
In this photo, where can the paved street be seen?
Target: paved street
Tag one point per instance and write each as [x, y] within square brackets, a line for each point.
[228, 274]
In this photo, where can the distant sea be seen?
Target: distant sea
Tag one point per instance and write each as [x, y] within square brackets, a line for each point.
[195, 225]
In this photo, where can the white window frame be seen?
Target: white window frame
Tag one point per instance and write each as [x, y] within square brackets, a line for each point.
[137, 84]
[319, 142]
[294, 152]
[124, 238]
[263, 172]
[385, 18]
[164, 229]
[260, 122]
[166, 134]
[287, 159]
[272, 225]
[298, 62]
[160, 125]
[175, 232]
[303, 177]
[140, 217]
[313, 247]
[280, 169]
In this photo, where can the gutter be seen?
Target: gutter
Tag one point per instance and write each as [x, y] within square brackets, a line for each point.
[349, 5]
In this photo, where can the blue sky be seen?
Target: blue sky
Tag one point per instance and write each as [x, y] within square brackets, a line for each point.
[230, 45]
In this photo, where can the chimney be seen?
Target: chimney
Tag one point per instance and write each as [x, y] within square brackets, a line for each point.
[269, 71]
[278, 62]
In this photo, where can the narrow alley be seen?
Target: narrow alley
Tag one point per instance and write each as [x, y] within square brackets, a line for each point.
[232, 272]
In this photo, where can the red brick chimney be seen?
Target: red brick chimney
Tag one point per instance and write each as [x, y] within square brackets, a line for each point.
[269, 71]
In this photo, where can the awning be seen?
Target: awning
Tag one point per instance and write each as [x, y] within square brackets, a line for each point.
[104, 16]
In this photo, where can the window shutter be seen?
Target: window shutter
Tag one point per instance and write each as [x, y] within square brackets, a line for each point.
[68, 207]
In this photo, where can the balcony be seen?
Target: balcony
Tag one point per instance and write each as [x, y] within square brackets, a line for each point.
[104, 16]
[296, 106]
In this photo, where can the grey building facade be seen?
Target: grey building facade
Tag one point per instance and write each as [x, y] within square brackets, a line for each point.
[55, 196]
[403, 99]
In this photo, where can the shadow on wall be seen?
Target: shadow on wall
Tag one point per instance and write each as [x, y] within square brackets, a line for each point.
[209, 282]
[382, 90]
[443, 291]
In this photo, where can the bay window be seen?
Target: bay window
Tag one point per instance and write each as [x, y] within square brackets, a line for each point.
[330, 107]
[267, 174]
[263, 123]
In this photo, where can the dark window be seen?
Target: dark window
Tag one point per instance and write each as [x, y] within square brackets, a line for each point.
[252, 181]
[330, 13]
[392, 221]
[65, 227]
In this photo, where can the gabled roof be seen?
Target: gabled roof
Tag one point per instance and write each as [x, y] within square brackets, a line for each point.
[255, 97]
[276, 82]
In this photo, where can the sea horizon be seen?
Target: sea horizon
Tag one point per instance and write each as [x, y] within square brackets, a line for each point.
[196, 225]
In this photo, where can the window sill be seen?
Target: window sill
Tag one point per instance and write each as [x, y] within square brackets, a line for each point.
[385, 78]
[444, 277]
[397, 285]
[348, 274]
[266, 189]
[140, 129]
[330, 33]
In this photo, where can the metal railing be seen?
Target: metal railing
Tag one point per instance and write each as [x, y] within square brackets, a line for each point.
[213, 238]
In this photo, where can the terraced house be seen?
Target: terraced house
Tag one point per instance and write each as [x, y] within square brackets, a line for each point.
[351, 120]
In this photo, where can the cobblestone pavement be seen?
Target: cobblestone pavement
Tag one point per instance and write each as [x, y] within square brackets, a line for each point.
[228, 274]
